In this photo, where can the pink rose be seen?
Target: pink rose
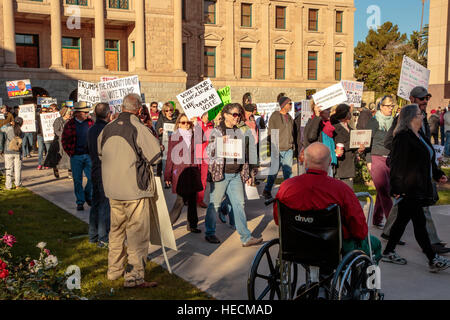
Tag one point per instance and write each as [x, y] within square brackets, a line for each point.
[47, 251]
[10, 212]
[9, 239]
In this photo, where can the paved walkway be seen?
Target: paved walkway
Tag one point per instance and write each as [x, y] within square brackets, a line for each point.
[222, 270]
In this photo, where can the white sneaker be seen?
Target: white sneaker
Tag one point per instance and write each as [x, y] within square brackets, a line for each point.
[439, 263]
[252, 241]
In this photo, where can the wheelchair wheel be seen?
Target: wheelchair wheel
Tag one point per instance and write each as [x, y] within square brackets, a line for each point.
[349, 282]
[264, 277]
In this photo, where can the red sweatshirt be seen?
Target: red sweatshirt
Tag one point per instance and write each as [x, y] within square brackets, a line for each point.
[314, 190]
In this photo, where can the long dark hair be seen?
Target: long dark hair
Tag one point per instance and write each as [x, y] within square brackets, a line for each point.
[342, 112]
[18, 122]
[229, 107]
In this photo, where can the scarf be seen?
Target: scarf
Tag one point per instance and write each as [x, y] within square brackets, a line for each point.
[328, 128]
[187, 136]
[384, 122]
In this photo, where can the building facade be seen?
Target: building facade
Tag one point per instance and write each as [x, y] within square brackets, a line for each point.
[259, 46]
[439, 53]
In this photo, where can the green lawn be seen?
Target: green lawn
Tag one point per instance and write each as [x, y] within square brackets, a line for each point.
[36, 219]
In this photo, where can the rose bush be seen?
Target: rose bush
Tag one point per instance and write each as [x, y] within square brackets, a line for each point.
[31, 279]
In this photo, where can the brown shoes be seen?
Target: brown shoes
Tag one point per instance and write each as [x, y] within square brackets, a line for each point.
[252, 241]
[144, 284]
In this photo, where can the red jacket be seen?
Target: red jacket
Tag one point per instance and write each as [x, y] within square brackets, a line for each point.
[69, 136]
[314, 190]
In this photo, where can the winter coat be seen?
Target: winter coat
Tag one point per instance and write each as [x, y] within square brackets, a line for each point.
[346, 163]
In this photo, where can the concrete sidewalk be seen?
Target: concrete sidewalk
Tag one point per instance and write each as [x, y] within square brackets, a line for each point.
[222, 270]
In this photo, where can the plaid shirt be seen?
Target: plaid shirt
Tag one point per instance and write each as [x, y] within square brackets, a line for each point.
[69, 136]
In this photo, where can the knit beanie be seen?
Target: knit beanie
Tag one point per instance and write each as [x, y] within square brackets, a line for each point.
[283, 101]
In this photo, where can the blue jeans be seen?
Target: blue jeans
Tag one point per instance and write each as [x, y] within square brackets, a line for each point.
[447, 143]
[232, 185]
[27, 143]
[227, 209]
[443, 138]
[41, 146]
[285, 161]
[99, 217]
[80, 163]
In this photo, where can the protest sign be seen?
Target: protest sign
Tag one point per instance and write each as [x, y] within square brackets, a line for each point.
[266, 110]
[19, 89]
[251, 192]
[2, 116]
[225, 97]
[47, 120]
[354, 91]
[69, 104]
[309, 93]
[199, 99]
[107, 78]
[439, 152]
[330, 96]
[27, 113]
[168, 128]
[113, 91]
[413, 74]
[46, 100]
[229, 148]
[306, 112]
[360, 137]
[88, 92]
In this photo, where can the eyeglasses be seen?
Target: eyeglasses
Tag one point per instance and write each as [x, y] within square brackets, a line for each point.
[235, 115]
[427, 98]
[388, 105]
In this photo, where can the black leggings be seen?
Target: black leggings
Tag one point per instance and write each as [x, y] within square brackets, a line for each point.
[191, 201]
[409, 209]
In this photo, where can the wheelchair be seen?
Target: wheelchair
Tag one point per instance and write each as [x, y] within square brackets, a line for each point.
[312, 242]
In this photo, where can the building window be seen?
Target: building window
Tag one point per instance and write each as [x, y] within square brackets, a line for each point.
[71, 57]
[118, 4]
[338, 66]
[27, 50]
[133, 44]
[184, 56]
[210, 11]
[280, 14]
[313, 20]
[246, 63]
[312, 65]
[210, 62]
[112, 55]
[246, 15]
[339, 15]
[280, 57]
[77, 2]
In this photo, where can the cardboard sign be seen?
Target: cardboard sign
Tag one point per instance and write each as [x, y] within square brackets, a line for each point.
[306, 112]
[107, 78]
[354, 91]
[360, 137]
[225, 95]
[413, 74]
[27, 113]
[230, 148]
[199, 99]
[330, 96]
[88, 92]
[19, 89]
[113, 91]
[251, 192]
[46, 101]
[47, 120]
[267, 109]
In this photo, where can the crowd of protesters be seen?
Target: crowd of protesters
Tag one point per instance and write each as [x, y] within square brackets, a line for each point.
[183, 152]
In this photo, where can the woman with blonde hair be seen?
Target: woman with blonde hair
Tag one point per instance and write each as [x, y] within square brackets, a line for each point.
[183, 173]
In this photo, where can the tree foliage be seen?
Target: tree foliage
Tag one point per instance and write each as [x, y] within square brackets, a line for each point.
[378, 60]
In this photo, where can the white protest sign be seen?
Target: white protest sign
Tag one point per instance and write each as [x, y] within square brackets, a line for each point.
[306, 112]
[360, 137]
[330, 96]
[2, 116]
[229, 148]
[413, 74]
[107, 78]
[47, 120]
[27, 113]
[168, 128]
[439, 152]
[199, 99]
[251, 192]
[267, 109]
[113, 91]
[88, 92]
[46, 101]
[354, 91]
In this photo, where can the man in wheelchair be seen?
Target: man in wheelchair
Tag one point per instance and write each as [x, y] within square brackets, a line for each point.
[315, 190]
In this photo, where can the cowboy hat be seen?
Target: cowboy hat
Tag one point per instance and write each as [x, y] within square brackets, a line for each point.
[81, 106]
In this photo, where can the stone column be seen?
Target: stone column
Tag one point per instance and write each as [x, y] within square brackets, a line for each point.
[177, 36]
[9, 34]
[265, 40]
[99, 62]
[140, 35]
[299, 55]
[229, 64]
[55, 25]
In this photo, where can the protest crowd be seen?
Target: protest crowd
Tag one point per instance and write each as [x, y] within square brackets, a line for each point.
[224, 150]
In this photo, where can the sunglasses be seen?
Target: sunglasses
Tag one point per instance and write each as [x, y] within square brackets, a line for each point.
[427, 98]
[185, 122]
[235, 115]
[169, 110]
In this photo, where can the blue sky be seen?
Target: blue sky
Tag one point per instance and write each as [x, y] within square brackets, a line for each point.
[404, 13]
